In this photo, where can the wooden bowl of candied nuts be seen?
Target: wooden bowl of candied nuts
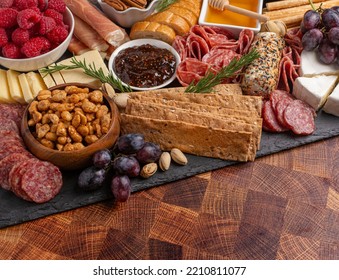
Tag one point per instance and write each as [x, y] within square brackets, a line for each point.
[68, 123]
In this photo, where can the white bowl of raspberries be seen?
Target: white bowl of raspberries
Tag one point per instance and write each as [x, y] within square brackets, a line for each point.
[33, 35]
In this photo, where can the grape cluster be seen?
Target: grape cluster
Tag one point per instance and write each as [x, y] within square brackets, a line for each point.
[123, 162]
[320, 30]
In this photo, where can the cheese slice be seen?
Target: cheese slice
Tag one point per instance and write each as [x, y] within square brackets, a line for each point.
[314, 90]
[14, 86]
[58, 79]
[332, 104]
[26, 90]
[48, 80]
[78, 75]
[36, 83]
[5, 96]
[312, 66]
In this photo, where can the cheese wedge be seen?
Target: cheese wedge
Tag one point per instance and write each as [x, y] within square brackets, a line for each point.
[332, 104]
[26, 90]
[48, 80]
[14, 86]
[5, 96]
[314, 90]
[312, 66]
[35, 82]
[77, 75]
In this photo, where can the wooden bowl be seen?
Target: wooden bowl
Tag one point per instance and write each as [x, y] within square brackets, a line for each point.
[72, 160]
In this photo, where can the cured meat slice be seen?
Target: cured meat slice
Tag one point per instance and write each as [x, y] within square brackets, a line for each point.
[299, 118]
[179, 44]
[220, 57]
[246, 38]
[288, 74]
[8, 125]
[76, 47]
[8, 147]
[6, 135]
[107, 29]
[277, 95]
[13, 112]
[42, 181]
[197, 47]
[270, 122]
[191, 70]
[15, 177]
[6, 165]
[280, 108]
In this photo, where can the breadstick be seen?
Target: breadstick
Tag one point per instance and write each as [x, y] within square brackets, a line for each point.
[278, 5]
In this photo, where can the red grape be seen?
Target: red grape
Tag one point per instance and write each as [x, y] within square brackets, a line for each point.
[312, 39]
[121, 188]
[91, 178]
[327, 51]
[130, 143]
[102, 158]
[311, 19]
[333, 35]
[126, 165]
[330, 18]
[150, 152]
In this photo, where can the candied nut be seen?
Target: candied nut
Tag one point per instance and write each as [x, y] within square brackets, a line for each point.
[59, 147]
[165, 161]
[37, 116]
[90, 117]
[44, 94]
[62, 140]
[78, 146]
[68, 147]
[43, 105]
[178, 156]
[61, 130]
[47, 118]
[66, 116]
[90, 129]
[47, 143]
[74, 98]
[51, 136]
[89, 139]
[54, 106]
[59, 95]
[75, 89]
[149, 170]
[54, 127]
[72, 132]
[96, 96]
[41, 130]
[103, 110]
[33, 107]
[31, 122]
[105, 122]
[83, 130]
[98, 131]
[76, 120]
[89, 107]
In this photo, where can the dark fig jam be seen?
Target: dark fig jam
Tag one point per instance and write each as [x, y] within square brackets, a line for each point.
[144, 66]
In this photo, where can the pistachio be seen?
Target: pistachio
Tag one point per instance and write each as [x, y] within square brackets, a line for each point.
[276, 26]
[165, 161]
[178, 156]
[109, 90]
[121, 100]
[148, 170]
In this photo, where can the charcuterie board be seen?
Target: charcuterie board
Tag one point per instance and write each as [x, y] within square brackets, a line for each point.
[14, 210]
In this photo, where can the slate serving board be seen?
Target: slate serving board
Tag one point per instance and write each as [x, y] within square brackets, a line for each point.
[14, 210]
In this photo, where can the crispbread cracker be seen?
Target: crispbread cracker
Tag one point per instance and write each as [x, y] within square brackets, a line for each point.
[238, 102]
[191, 138]
[162, 112]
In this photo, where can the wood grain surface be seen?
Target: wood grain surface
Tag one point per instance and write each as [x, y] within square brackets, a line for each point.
[282, 206]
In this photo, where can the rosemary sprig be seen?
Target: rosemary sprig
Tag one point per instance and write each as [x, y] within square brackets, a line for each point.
[163, 4]
[210, 80]
[90, 70]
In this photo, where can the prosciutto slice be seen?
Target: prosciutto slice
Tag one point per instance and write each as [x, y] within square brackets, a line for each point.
[76, 47]
[112, 33]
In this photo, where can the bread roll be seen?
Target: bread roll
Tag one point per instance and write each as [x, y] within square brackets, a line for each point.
[154, 30]
[192, 5]
[187, 14]
[177, 23]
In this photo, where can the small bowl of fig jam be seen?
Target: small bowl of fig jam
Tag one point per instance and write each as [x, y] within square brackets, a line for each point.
[144, 64]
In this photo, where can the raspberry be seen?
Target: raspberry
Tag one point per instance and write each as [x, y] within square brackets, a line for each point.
[57, 35]
[10, 50]
[25, 4]
[35, 46]
[58, 5]
[42, 5]
[3, 37]
[20, 36]
[46, 25]
[6, 3]
[28, 18]
[8, 17]
[59, 19]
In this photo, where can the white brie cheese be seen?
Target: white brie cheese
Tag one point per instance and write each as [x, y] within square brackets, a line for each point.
[314, 90]
[332, 104]
[312, 66]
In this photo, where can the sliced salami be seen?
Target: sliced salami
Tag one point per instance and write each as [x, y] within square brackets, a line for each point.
[8, 147]
[299, 118]
[6, 165]
[15, 177]
[277, 95]
[42, 181]
[280, 108]
[270, 122]
[13, 112]
[8, 125]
